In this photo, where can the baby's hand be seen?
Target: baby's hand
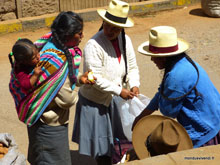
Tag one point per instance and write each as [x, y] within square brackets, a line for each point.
[37, 70]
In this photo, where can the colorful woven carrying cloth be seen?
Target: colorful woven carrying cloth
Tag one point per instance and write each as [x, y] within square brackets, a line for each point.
[30, 105]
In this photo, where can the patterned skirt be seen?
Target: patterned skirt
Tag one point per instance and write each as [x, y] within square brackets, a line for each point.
[214, 141]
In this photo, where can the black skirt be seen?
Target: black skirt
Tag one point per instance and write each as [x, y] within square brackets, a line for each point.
[48, 144]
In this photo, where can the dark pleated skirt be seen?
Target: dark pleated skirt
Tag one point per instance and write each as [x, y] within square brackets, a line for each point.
[48, 145]
[96, 126]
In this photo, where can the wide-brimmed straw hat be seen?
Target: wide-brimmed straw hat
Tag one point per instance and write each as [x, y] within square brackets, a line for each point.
[163, 42]
[117, 14]
[155, 135]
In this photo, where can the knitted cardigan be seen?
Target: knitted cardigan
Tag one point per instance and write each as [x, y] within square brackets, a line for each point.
[101, 58]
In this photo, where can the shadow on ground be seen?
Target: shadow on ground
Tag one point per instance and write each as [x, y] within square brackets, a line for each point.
[198, 12]
[78, 159]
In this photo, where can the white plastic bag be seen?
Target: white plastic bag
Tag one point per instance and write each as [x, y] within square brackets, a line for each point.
[129, 110]
[13, 156]
[211, 7]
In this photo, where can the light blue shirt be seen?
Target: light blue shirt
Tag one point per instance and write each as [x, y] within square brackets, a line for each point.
[199, 115]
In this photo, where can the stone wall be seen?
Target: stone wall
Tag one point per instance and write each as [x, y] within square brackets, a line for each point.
[29, 8]
[13, 9]
[7, 10]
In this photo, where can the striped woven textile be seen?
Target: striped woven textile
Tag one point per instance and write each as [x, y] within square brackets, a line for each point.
[30, 106]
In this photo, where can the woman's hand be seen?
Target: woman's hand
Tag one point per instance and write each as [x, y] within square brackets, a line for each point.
[84, 79]
[126, 94]
[135, 90]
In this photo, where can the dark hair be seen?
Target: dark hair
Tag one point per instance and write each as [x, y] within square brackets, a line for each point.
[124, 54]
[66, 25]
[170, 62]
[22, 51]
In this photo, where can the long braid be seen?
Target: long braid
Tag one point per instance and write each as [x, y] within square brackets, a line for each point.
[124, 54]
[191, 61]
[65, 26]
[101, 27]
[68, 55]
[170, 63]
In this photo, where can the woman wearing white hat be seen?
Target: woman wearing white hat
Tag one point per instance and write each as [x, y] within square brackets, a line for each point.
[186, 92]
[111, 57]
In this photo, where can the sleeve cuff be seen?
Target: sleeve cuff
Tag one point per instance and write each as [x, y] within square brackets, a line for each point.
[117, 90]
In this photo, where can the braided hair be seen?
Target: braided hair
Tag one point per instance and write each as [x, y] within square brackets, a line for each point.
[22, 51]
[170, 62]
[124, 54]
[66, 25]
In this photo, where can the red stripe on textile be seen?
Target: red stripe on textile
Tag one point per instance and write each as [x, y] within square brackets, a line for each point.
[155, 49]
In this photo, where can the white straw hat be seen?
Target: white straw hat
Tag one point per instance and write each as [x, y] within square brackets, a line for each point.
[117, 14]
[163, 42]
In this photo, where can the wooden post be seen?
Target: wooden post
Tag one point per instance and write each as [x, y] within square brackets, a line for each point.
[18, 4]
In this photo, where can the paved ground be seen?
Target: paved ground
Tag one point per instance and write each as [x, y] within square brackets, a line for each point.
[202, 32]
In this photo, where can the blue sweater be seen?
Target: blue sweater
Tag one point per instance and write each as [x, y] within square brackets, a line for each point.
[199, 115]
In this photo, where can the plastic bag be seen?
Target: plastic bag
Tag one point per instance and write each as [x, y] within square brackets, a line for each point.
[129, 110]
[211, 7]
[13, 156]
